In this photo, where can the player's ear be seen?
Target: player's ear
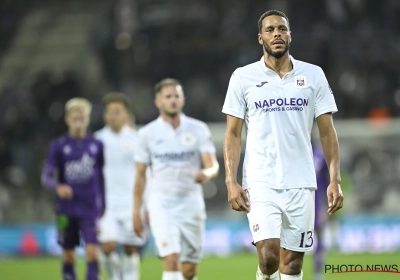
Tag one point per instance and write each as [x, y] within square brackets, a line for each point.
[157, 101]
[290, 37]
[260, 40]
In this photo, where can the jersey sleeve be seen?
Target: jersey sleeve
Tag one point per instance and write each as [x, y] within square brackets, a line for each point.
[235, 104]
[102, 191]
[206, 144]
[51, 165]
[142, 151]
[324, 101]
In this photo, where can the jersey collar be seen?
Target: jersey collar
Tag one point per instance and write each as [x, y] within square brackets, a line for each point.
[123, 130]
[269, 71]
[167, 124]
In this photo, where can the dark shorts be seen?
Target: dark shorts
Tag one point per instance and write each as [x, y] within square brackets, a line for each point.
[70, 229]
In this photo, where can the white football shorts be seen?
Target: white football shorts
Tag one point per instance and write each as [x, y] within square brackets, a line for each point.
[182, 237]
[285, 214]
[118, 227]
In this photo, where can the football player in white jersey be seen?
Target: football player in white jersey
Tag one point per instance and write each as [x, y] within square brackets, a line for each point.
[119, 141]
[175, 147]
[278, 98]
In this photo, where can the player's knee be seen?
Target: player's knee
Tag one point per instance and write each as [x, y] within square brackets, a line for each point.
[292, 267]
[171, 262]
[91, 252]
[68, 256]
[269, 262]
[109, 247]
[189, 271]
[130, 250]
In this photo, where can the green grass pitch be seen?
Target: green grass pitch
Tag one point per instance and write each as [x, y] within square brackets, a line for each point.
[234, 267]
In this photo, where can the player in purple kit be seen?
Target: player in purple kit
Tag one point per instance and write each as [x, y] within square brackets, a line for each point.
[76, 159]
[322, 173]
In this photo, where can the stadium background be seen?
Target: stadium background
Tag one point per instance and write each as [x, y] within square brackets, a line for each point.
[53, 50]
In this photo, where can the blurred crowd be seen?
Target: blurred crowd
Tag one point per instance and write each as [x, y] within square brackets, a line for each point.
[200, 42]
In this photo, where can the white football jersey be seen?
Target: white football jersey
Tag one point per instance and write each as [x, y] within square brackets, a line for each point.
[279, 114]
[119, 167]
[174, 156]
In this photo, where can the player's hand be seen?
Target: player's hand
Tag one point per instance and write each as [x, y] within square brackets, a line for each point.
[138, 224]
[200, 177]
[335, 197]
[237, 197]
[64, 191]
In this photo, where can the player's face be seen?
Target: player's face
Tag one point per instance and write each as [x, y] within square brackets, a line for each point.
[77, 119]
[275, 36]
[170, 100]
[116, 115]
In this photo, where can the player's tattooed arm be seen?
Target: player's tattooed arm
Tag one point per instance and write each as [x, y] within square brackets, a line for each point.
[140, 184]
[232, 144]
[211, 168]
[330, 147]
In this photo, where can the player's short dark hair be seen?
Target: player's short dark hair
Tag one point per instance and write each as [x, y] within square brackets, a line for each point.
[271, 13]
[117, 97]
[166, 82]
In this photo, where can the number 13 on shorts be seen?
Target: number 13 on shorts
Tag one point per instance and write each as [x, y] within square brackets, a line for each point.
[307, 239]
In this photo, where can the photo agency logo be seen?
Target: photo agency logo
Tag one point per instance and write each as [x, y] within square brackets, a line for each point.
[360, 268]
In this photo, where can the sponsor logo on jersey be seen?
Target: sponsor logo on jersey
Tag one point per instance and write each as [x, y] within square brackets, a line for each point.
[262, 83]
[300, 81]
[282, 104]
[182, 156]
[80, 170]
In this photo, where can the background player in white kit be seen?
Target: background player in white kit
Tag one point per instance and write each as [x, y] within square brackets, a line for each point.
[119, 141]
[174, 146]
[279, 97]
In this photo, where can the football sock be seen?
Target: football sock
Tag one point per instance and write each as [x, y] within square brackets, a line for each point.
[130, 267]
[68, 271]
[92, 271]
[194, 278]
[172, 275]
[261, 276]
[111, 265]
[292, 277]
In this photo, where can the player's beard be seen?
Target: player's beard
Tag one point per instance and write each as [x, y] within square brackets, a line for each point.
[277, 54]
[172, 114]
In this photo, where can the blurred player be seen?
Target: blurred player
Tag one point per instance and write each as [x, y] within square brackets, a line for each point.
[322, 172]
[116, 226]
[279, 97]
[76, 159]
[174, 146]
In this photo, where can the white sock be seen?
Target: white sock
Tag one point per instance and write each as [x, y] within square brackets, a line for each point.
[292, 277]
[261, 276]
[130, 267]
[111, 263]
[172, 275]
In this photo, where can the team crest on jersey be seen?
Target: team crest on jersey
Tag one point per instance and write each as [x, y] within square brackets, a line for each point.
[256, 228]
[67, 149]
[93, 148]
[126, 145]
[187, 139]
[300, 81]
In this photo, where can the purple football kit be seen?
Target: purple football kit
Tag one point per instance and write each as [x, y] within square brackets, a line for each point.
[322, 174]
[77, 163]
